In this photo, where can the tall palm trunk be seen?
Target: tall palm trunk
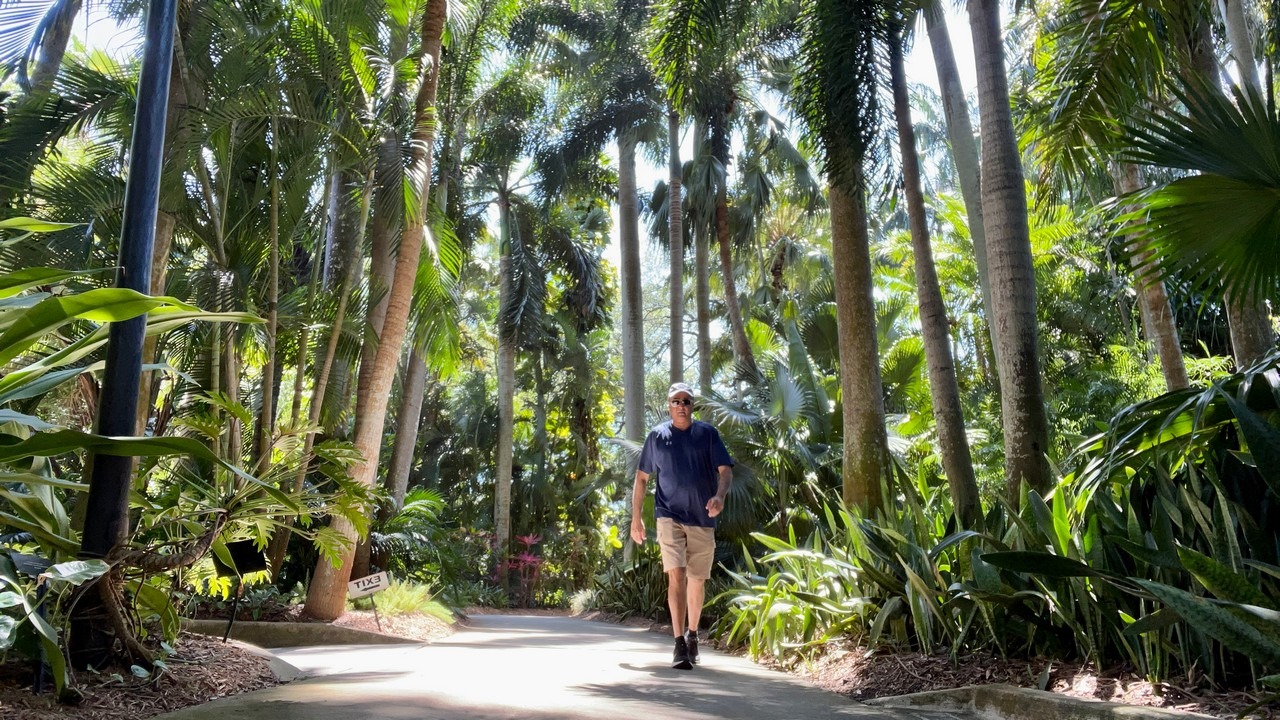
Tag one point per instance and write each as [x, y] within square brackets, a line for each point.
[1153, 300]
[406, 429]
[327, 595]
[507, 339]
[166, 224]
[943, 387]
[54, 44]
[702, 292]
[387, 207]
[675, 242]
[1004, 211]
[866, 444]
[266, 421]
[964, 150]
[742, 352]
[632, 298]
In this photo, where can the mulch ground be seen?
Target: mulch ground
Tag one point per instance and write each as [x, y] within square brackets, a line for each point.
[202, 669]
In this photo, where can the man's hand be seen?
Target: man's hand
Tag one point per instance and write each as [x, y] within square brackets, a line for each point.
[715, 505]
[637, 530]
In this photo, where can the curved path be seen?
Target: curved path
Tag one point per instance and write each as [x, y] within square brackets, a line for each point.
[517, 666]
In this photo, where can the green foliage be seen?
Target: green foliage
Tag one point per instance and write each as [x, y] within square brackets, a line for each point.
[1178, 491]
[634, 588]
[403, 598]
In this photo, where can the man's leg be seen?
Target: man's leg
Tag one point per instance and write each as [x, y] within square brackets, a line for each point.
[695, 592]
[677, 599]
[677, 602]
[701, 554]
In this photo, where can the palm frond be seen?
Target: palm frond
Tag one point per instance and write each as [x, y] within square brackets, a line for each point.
[1220, 226]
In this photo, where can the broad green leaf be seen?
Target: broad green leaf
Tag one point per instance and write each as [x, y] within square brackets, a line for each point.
[38, 384]
[63, 441]
[77, 572]
[7, 634]
[1158, 620]
[1218, 623]
[101, 305]
[161, 603]
[50, 539]
[1151, 556]
[9, 598]
[1222, 581]
[985, 574]
[1263, 441]
[15, 282]
[30, 421]
[31, 225]
[1046, 564]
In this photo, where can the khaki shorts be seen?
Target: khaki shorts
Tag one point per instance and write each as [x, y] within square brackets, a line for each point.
[687, 546]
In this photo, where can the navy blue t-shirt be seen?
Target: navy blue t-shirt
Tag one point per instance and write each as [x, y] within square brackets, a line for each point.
[685, 462]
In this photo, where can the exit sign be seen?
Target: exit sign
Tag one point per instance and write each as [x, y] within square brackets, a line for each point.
[368, 585]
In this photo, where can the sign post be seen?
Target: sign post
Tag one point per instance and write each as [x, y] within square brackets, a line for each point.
[366, 587]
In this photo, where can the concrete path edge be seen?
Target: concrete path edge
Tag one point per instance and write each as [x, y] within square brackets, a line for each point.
[1006, 702]
[292, 634]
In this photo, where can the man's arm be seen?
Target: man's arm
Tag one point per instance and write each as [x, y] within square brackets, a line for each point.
[716, 503]
[637, 507]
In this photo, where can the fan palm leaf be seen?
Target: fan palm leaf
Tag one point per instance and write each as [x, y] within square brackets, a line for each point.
[1218, 226]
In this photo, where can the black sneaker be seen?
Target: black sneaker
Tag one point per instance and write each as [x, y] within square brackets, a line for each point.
[680, 658]
[691, 641]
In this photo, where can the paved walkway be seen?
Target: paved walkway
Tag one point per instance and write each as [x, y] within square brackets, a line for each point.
[513, 666]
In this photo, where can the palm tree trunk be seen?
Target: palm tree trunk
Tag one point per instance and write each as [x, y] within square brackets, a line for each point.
[267, 417]
[507, 338]
[632, 297]
[54, 44]
[166, 223]
[386, 209]
[675, 243]
[1004, 211]
[964, 150]
[406, 429]
[1153, 301]
[866, 445]
[741, 345]
[943, 387]
[1241, 43]
[702, 291]
[1252, 333]
[327, 595]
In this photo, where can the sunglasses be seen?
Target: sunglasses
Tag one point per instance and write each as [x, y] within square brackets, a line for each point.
[682, 401]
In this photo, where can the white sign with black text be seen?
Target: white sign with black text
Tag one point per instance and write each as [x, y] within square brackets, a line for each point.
[368, 585]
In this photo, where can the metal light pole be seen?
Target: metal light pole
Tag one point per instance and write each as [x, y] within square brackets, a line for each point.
[107, 517]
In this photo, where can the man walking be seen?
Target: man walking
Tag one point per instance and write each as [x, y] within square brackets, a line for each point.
[694, 473]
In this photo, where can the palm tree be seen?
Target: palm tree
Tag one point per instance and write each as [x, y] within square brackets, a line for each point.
[1004, 211]
[837, 99]
[956, 459]
[701, 54]
[613, 95]
[964, 147]
[327, 594]
[1216, 227]
[675, 243]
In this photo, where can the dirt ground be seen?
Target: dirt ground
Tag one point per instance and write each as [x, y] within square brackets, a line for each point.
[204, 669]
